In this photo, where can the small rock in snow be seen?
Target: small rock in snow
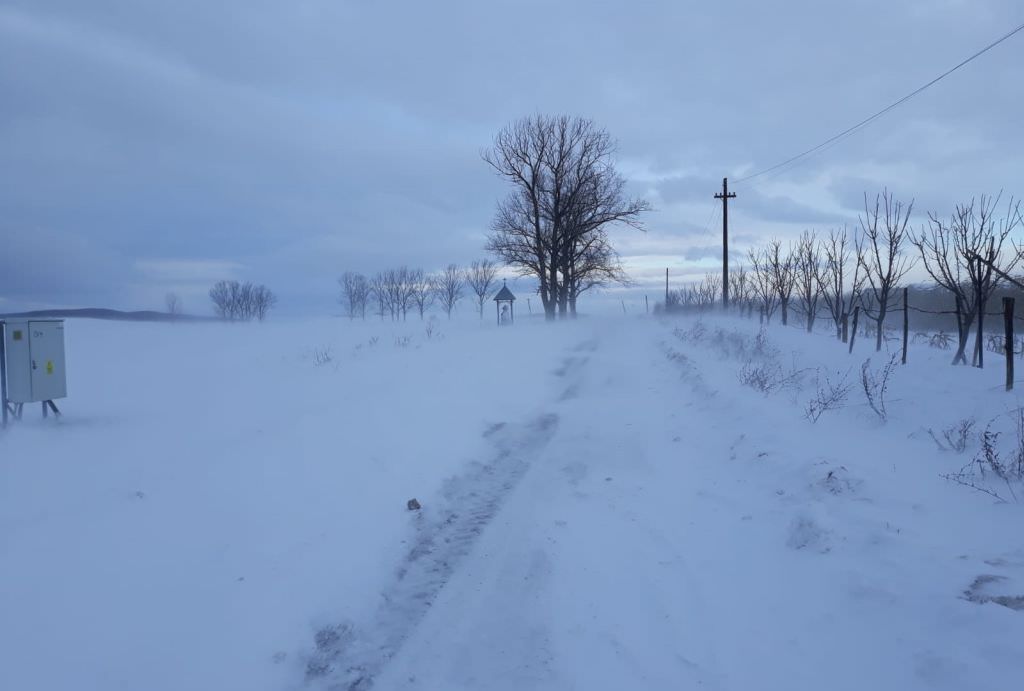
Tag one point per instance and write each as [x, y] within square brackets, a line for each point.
[413, 505]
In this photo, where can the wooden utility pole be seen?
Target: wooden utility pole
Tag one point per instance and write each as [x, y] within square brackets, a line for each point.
[1008, 327]
[725, 195]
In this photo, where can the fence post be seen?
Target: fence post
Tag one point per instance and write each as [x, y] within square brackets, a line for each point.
[906, 325]
[853, 333]
[1008, 323]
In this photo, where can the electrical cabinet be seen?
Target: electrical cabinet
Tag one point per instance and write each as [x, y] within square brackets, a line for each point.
[35, 360]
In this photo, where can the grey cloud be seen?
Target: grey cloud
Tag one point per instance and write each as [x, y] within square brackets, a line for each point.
[298, 141]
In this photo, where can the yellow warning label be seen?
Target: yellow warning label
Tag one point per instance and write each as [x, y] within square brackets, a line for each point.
[49, 366]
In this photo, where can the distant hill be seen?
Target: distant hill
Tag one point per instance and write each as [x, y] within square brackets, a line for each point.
[102, 313]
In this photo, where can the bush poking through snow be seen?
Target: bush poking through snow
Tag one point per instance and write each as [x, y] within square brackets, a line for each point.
[322, 356]
[991, 464]
[876, 385]
[733, 344]
[828, 395]
[956, 436]
[431, 329]
[941, 340]
[769, 377]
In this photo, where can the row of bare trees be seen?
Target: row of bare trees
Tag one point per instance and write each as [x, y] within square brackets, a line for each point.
[236, 301]
[969, 255]
[396, 292]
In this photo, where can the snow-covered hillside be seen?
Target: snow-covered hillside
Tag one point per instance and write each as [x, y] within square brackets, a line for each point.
[605, 505]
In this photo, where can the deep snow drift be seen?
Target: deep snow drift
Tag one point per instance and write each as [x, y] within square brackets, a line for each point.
[604, 506]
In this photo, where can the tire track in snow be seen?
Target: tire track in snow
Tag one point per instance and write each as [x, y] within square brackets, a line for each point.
[349, 656]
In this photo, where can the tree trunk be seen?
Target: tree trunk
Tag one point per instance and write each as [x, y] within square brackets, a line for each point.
[785, 311]
[961, 335]
[979, 350]
[883, 305]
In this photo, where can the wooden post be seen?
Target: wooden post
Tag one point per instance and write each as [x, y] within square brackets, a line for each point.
[3, 374]
[979, 347]
[666, 289]
[1008, 324]
[853, 333]
[647, 305]
[906, 325]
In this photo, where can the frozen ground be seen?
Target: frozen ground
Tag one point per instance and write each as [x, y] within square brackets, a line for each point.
[605, 506]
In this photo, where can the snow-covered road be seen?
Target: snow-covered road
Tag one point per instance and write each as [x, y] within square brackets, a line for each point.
[673, 534]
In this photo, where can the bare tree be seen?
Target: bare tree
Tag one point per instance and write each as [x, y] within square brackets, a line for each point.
[449, 284]
[262, 300]
[839, 296]
[565, 190]
[780, 266]
[173, 303]
[708, 290]
[806, 269]
[221, 295]
[423, 290]
[379, 288]
[763, 281]
[480, 277]
[355, 293]
[593, 263]
[739, 287]
[884, 231]
[977, 224]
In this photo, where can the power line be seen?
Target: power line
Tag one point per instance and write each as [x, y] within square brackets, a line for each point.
[865, 121]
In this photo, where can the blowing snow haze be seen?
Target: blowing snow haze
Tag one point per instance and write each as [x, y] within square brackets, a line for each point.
[293, 394]
[155, 147]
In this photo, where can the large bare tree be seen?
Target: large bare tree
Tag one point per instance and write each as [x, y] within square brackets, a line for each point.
[565, 190]
[885, 233]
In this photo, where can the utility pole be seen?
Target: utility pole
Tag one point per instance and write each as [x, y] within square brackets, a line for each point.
[725, 195]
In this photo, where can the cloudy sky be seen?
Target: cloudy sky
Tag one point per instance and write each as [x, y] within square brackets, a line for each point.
[148, 147]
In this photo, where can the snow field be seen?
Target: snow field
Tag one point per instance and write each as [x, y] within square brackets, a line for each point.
[605, 506]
